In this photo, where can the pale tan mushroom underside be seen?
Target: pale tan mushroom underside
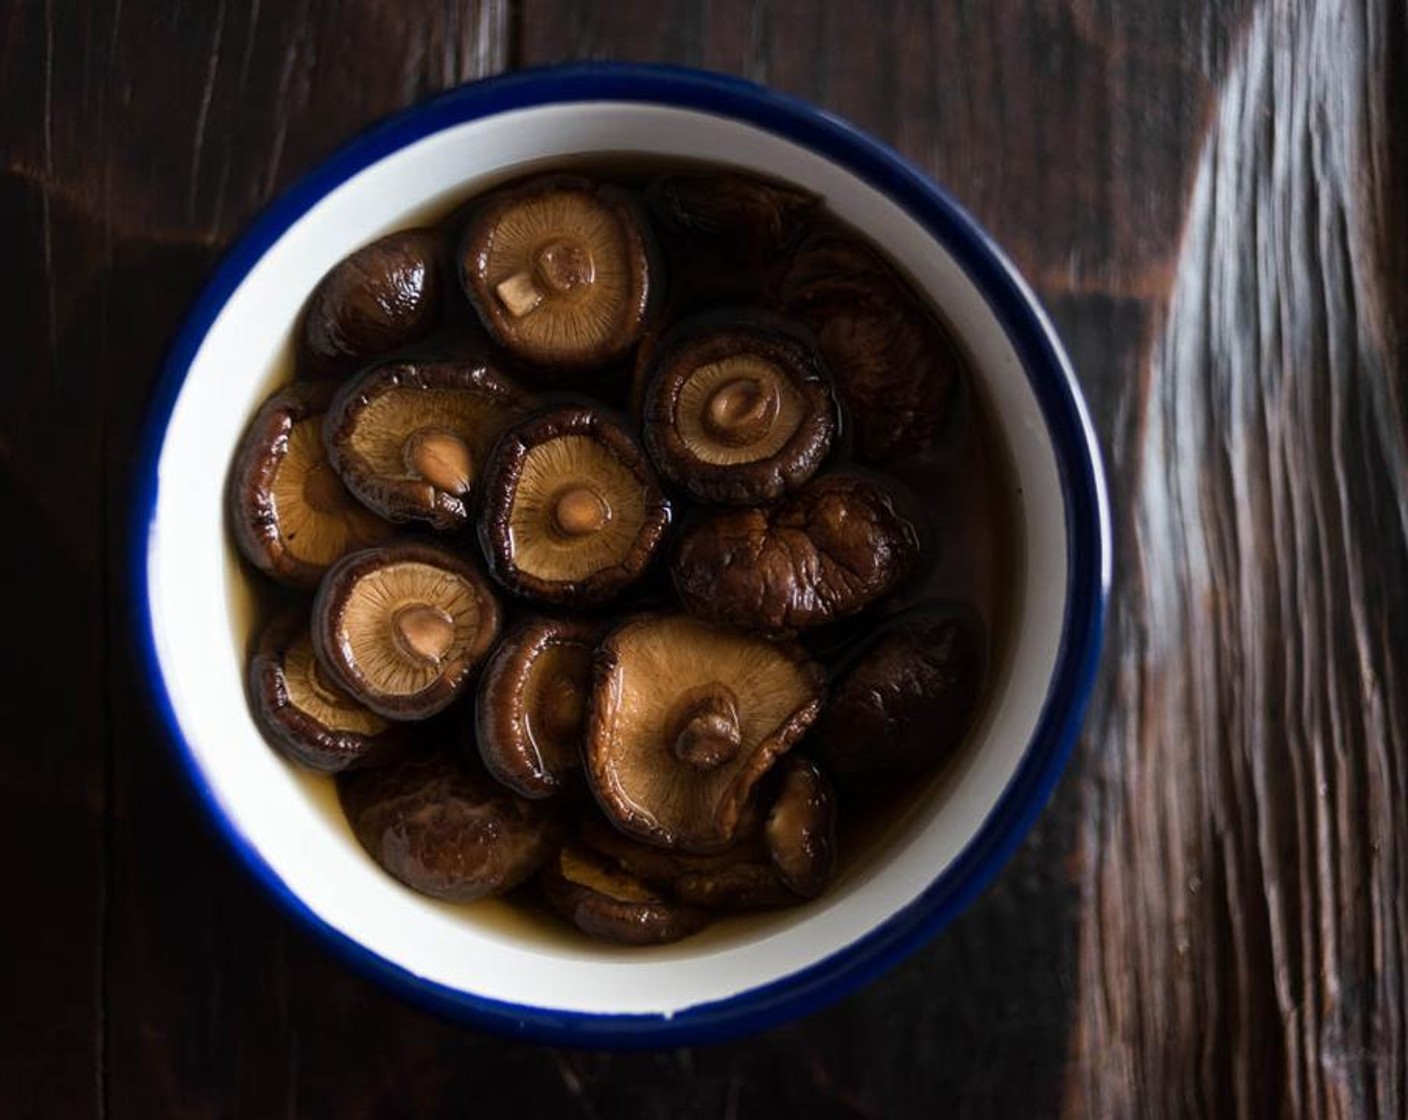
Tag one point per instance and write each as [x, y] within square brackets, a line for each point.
[314, 535]
[588, 316]
[657, 661]
[367, 623]
[558, 465]
[698, 392]
[384, 423]
[310, 692]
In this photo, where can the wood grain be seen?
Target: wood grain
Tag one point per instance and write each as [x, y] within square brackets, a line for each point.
[1244, 862]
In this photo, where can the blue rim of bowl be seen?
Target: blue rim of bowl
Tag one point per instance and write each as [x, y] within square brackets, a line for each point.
[1052, 381]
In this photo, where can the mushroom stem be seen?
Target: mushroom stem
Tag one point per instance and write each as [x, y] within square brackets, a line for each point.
[707, 731]
[741, 411]
[440, 457]
[580, 510]
[423, 633]
[563, 264]
[519, 294]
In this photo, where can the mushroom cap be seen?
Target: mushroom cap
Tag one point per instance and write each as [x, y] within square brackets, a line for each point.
[559, 271]
[571, 511]
[740, 877]
[603, 900]
[801, 827]
[530, 714]
[403, 626]
[650, 675]
[304, 715]
[911, 696]
[896, 366]
[445, 829]
[738, 413]
[410, 438]
[384, 295]
[292, 516]
[819, 555]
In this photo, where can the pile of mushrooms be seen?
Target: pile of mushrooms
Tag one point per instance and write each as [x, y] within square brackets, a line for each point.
[541, 641]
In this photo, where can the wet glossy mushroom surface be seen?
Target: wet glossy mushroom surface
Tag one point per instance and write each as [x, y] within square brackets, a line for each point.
[606, 902]
[736, 411]
[402, 627]
[685, 719]
[291, 515]
[896, 365]
[572, 512]
[410, 439]
[820, 555]
[910, 698]
[559, 270]
[303, 712]
[385, 295]
[445, 829]
[530, 713]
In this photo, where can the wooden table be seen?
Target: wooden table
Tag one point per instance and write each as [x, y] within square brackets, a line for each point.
[1212, 917]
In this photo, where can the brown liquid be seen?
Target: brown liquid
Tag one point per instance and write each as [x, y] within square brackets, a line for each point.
[970, 504]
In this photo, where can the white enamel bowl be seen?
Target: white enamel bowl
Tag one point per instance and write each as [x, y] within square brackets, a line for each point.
[747, 974]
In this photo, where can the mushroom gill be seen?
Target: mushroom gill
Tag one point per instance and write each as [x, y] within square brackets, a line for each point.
[685, 718]
[559, 272]
[402, 627]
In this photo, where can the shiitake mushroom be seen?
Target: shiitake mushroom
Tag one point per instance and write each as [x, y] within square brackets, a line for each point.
[403, 626]
[896, 365]
[292, 517]
[572, 512]
[684, 719]
[739, 877]
[303, 714]
[909, 699]
[736, 410]
[605, 901]
[801, 827]
[384, 295]
[410, 439]
[530, 713]
[559, 270]
[821, 554]
[445, 829]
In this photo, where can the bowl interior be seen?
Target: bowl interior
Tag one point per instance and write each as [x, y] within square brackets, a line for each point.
[291, 821]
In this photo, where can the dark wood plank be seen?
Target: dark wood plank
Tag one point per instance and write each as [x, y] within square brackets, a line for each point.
[1243, 859]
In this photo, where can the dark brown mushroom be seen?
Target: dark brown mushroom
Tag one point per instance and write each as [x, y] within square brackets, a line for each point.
[727, 232]
[740, 877]
[821, 554]
[895, 364]
[303, 714]
[445, 829]
[384, 295]
[559, 272]
[572, 512]
[737, 413]
[909, 700]
[530, 715]
[402, 627]
[602, 900]
[684, 719]
[410, 439]
[751, 215]
[292, 516]
[801, 827]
